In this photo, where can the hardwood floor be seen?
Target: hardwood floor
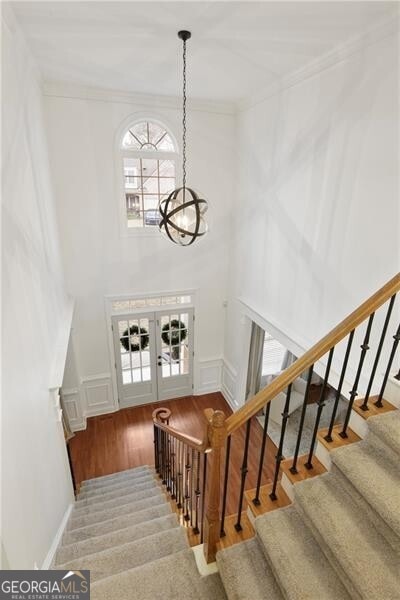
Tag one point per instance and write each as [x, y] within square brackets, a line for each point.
[124, 440]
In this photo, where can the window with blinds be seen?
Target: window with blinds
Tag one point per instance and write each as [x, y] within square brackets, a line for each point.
[273, 355]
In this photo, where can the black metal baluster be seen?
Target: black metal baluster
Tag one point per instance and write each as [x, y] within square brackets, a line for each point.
[256, 499]
[179, 495]
[155, 428]
[173, 482]
[224, 494]
[192, 487]
[243, 470]
[168, 462]
[187, 483]
[164, 455]
[364, 349]
[293, 468]
[328, 436]
[364, 405]
[197, 493]
[396, 338]
[321, 405]
[279, 456]
[203, 499]
[159, 453]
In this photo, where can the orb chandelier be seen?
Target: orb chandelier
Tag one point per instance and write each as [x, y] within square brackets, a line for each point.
[182, 212]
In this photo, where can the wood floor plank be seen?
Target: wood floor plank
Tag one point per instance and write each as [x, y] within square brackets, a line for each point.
[124, 439]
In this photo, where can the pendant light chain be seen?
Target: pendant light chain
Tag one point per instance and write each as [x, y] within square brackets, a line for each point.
[184, 118]
[182, 212]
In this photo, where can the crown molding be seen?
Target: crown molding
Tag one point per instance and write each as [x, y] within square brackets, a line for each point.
[384, 29]
[81, 92]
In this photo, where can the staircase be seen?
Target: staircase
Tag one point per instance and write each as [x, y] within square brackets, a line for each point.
[123, 530]
[340, 539]
[324, 526]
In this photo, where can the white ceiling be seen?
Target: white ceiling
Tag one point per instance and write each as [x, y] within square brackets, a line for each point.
[236, 49]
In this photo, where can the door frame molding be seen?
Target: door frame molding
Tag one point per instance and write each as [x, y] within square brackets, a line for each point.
[109, 312]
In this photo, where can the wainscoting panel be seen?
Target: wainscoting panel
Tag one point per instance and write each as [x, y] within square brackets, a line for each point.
[209, 376]
[228, 384]
[73, 407]
[98, 396]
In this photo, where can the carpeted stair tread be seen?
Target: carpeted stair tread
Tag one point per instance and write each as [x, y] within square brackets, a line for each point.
[245, 573]
[122, 491]
[130, 555]
[363, 559]
[375, 475]
[134, 496]
[123, 509]
[118, 523]
[296, 558]
[115, 487]
[114, 538]
[387, 428]
[92, 484]
[173, 577]
[116, 474]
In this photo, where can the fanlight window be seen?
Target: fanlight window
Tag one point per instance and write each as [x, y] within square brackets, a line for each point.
[148, 154]
[148, 136]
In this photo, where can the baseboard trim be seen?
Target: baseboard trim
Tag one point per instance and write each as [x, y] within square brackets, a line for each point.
[57, 539]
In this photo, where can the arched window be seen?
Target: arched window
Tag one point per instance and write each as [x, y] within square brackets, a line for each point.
[149, 159]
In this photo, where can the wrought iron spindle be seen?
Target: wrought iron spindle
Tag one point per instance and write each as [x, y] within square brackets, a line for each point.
[203, 498]
[179, 495]
[364, 405]
[293, 468]
[164, 458]
[244, 471]
[192, 487]
[279, 456]
[321, 405]
[168, 462]
[396, 338]
[328, 436]
[224, 494]
[354, 392]
[173, 480]
[256, 500]
[197, 494]
[159, 433]
[187, 485]
[155, 448]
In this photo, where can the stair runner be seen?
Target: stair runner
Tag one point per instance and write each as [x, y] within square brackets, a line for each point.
[340, 539]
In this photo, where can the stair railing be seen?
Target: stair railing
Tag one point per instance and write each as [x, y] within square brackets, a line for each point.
[171, 464]
[182, 463]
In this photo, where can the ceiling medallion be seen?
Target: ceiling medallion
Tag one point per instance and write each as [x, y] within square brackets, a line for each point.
[182, 213]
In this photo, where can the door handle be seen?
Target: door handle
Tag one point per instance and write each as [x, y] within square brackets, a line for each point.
[159, 363]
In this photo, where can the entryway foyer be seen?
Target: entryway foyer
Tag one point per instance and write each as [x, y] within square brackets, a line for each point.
[182, 182]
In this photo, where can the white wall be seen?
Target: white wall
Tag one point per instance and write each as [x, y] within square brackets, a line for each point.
[316, 223]
[82, 126]
[36, 488]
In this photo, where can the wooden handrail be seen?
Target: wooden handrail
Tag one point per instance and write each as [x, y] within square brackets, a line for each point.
[160, 420]
[338, 333]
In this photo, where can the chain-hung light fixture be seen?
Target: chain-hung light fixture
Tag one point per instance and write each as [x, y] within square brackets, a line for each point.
[182, 213]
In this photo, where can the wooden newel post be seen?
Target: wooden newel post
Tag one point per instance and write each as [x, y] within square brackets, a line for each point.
[216, 440]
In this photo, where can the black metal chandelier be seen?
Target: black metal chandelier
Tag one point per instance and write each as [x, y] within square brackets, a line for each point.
[182, 213]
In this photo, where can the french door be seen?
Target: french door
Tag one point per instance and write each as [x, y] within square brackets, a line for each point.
[153, 356]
